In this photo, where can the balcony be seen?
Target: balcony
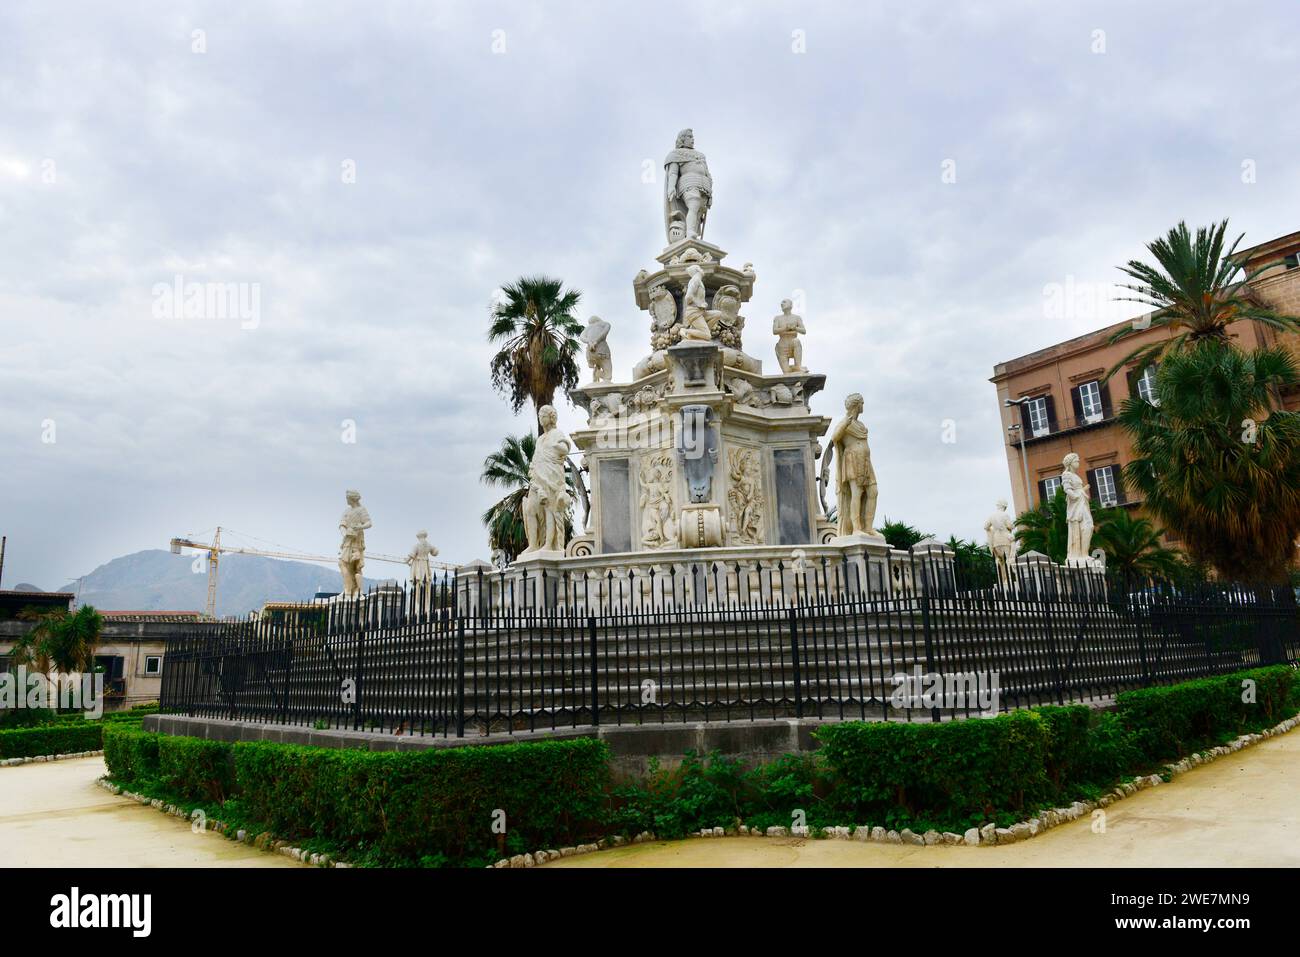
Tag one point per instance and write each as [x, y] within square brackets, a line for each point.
[1063, 425]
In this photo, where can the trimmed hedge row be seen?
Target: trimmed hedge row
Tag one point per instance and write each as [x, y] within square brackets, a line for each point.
[35, 732]
[392, 807]
[438, 806]
[62, 738]
[1176, 720]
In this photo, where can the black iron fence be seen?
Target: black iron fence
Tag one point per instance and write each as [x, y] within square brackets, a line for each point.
[913, 637]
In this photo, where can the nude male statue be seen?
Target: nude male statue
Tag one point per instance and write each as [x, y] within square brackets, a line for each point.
[787, 328]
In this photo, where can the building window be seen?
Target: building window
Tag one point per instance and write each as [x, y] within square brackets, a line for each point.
[1146, 385]
[153, 664]
[1090, 401]
[1292, 261]
[1105, 479]
[1038, 420]
[1050, 487]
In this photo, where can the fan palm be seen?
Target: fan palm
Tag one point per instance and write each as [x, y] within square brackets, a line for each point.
[508, 468]
[537, 332]
[1133, 548]
[1044, 529]
[1216, 463]
[1197, 288]
[60, 641]
[901, 535]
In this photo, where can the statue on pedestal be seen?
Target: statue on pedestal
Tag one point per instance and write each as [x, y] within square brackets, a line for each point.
[787, 328]
[1078, 512]
[546, 506]
[688, 189]
[352, 549]
[418, 559]
[855, 478]
[598, 356]
[695, 318]
[1001, 532]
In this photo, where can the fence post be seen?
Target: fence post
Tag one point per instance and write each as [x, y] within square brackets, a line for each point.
[357, 667]
[288, 675]
[1141, 612]
[794, 661]
[460, 678]
[595, 693]
[927, 627]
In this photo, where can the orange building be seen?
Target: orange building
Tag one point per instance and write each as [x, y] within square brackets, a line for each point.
[1062, 404]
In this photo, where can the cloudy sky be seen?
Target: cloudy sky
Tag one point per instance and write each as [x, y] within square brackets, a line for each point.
[215, 141]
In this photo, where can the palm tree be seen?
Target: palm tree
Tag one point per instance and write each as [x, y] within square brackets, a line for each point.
[537, 332]
[33, 648]
[1216, 463]
[72, 645]
[901, 535]
[1043, 529]
[1197, 289]
[508, 468]
[1133, 548]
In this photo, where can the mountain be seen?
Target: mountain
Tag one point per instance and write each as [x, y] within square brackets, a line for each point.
[157, 580]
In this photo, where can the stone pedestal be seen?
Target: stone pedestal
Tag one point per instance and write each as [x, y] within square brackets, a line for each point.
[936, 567]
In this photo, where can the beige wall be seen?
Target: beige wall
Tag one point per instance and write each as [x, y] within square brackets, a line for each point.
[1059, 368]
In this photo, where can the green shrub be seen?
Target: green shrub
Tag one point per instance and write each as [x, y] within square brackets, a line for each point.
[27, 717]
[61, 738]
[399, 808]
[673, 802]
[196, 769]
[1175, 720]
[948, 776]
[131, 753]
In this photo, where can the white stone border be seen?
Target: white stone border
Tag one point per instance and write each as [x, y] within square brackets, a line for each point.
[263, 841]
[988, 835]
[39, 758]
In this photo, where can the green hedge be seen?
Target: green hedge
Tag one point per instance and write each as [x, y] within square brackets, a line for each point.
[62, 738]
[196, 769]
[948, 776]
[1168, 722]
[131, 753]
[438, 806]
[409, 807]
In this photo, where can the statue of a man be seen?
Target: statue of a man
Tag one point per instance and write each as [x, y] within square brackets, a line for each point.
[695, 307]
[418, 558]
[688, 188]
[855, 478]
[546, 506]
[1078, 511]
[787, 328]
[1001, 532]
[352, 549]
[598, 357]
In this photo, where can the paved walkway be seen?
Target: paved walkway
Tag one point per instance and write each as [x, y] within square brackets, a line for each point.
[1242, 810]
[53, 814]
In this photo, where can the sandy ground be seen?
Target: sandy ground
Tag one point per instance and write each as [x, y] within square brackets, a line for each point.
[54, 815]
[1242, 810]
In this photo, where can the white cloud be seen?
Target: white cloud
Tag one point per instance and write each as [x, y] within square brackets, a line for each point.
[474, 168]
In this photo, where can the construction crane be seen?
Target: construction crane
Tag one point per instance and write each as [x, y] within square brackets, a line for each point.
[215, 550]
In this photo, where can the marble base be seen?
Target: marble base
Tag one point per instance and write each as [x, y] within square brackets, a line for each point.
[858, 538]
